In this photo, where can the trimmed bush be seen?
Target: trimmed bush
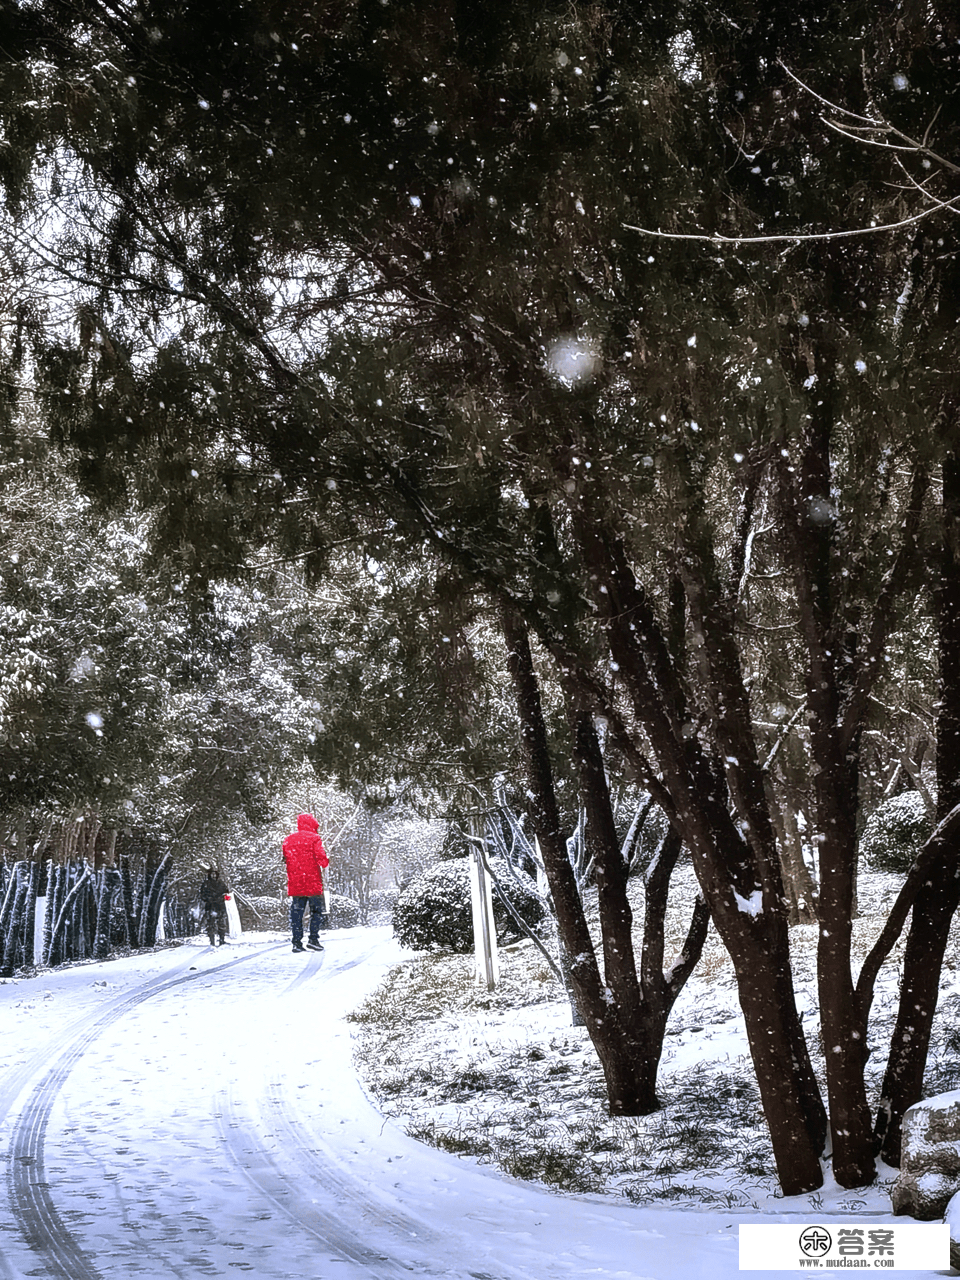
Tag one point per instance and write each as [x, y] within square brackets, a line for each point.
[434, 910]
[261, 912]
[381, 904]
[894, 833]
[274, 913]
[344, 912]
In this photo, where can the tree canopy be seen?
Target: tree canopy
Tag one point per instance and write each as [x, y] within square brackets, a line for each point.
[585, 307]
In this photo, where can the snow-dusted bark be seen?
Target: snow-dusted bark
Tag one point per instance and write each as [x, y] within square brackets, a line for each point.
[30, 913]
[107, 883]
[625, 1017]
[939, 895]
[13, 918]
[843, 662]
[154, 881]
[127, 902]
[66, 939]
[730, 859]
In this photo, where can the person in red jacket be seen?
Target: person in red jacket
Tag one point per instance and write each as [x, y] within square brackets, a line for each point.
[306, 859]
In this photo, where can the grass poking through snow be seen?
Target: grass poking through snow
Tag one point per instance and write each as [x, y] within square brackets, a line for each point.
[505, 1078]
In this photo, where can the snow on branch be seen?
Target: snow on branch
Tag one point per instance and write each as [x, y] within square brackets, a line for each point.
[797, 236]
[873, 131]
[878, 127]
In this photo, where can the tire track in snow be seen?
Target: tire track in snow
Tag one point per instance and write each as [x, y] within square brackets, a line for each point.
[365, 1232]
[330, 967]
[308, 971]
[274, 1177]
[274, 1174]
[31, 1203]
[15, 1081]
[299, 1163]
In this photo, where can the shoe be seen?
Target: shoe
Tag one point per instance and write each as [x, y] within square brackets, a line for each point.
[297, 946]
[315, 946]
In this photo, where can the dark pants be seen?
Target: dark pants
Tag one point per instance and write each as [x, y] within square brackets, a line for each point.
[318, 917]
[216, 922]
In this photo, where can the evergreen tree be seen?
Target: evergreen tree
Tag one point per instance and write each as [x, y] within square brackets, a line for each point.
[334, 272]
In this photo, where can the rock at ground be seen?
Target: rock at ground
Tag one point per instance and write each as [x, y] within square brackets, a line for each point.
[930, 1158]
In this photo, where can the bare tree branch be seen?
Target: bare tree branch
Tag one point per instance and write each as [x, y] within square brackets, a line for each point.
[952, 205]
[941, 844]
[881, 126]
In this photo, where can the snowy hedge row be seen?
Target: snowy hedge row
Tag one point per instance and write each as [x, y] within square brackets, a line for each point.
[434, 911]
[894, 833]
[266, 912]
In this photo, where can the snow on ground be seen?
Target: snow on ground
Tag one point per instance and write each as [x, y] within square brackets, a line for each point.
[507, 1078]
[196, 1112]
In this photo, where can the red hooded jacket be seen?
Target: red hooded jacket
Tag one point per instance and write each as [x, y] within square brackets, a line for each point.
[305, 856]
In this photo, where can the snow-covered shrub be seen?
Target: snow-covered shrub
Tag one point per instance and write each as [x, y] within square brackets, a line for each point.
[262, 912]
[894, 832]
[435, 909]
[344, 912]
[380, 905]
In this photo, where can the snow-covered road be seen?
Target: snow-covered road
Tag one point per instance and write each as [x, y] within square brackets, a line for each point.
[195, 1113]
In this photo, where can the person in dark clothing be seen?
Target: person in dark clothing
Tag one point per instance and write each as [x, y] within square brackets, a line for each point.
[306, 859]
[213, 894]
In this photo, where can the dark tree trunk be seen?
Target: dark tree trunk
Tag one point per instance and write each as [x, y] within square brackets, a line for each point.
[153, 894]
[82, 939]
[739, 878]
[126, 894]
[643, 1000]
[49, 876]
[55, 893]
[617, 1033]
[139, 898]
[660, 990]
[938, 898]
[933, 913]
[11, 884]
[844, 654]
[63, 938]
[842, 1022]
[90, 915]
[30, 919]
[105, 888]
[758, 945]
[13, 925]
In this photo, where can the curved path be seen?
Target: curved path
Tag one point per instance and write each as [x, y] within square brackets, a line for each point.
[195, 1113]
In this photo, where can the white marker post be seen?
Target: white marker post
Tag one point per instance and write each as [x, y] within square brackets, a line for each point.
[487, 967]
[234, 929]
[38, 916]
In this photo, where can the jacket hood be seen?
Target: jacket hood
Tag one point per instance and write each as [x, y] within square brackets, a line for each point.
[305, 822]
